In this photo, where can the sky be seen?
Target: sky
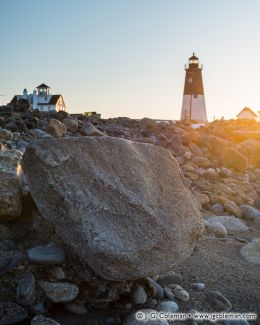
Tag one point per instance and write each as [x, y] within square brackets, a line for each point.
[126, 57]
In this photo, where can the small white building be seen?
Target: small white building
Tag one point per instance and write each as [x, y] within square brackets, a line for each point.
[248, 114]
[42, 99]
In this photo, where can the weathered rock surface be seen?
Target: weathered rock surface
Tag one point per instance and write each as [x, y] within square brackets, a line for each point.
[56, 128]
[10, 193]
[234, 159]
[251, 251]
[230, 223]
[122, 206]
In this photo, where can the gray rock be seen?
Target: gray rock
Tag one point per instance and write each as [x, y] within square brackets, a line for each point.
[112, 216]
[139, 295]
[168, 292]
[6, 134]
[155, 289]
[40, 134]
[248, 212]
[59, 291]
[42, 320]
[48, 254]
[147, 123]
[169, 278]
[139, 318]
[217, 208]
[56, 128]
[251, 251]
[74, 308]
[180, 293]
[11, 193]
[71, 124]
[218, 301]
[11, 313]
[225, 172]
[90, 130]
[217, 229]
[198, 286]
[167, 306]
[25, 292]
[230, 223]
[58, 273]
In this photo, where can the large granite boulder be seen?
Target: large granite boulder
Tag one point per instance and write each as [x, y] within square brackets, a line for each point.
[122, 206]
[234, 159]
[10, 192]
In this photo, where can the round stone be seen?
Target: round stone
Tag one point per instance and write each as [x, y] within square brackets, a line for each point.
[78, 309]
[230, 223]
[217, 208]
[248, 212]
[59, 291]
[217, 229]
[218, 301]
[25, 292]
[139, 295]
[48, 254]
[42, 320]
[169, 278]
[180, 293]
[167, 306]
[198, 286]
[251, 251]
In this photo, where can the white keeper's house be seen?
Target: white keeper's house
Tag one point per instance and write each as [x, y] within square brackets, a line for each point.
[42, 99]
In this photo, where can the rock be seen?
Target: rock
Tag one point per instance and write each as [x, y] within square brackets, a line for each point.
[11, 313]
[217, 229]
[202, 199]
[167, 306]
[251, 251]
[11, 193]
[155, 289]
[77, 309]
[147, 123]
[180, 293]
[234, 159]
[56, 128]
[218, 301]
[71, 124]
[139, 295]
[250, 148]
[232, 208]
[225, 172]
[86, 203]
[201, 161]
[195, 149]
[58, 273]
[40, 134]
[140, 318]
[249, 212]
[198, 286]
[48, 254]
[90, 130]
[42, 320]
[175, 143]
[169, 278]
[59, 291]
[6, 134]
[217, 208]
[25, 292]
[168, 292]
[38, 308]
[230, 223]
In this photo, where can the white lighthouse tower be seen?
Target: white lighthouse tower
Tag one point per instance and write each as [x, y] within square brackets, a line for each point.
[193, 104]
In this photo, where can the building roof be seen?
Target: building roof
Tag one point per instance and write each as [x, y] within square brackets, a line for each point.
[14, 100]
[193, 57]
[53, 100]
[248, 110]
[43, 86]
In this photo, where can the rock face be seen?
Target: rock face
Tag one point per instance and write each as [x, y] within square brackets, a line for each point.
[10, 193]
[234, 159]
[122, 206]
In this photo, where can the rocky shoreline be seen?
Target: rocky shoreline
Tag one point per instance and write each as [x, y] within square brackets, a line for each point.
[45, 272]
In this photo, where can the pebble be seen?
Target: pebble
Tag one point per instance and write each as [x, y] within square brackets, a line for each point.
[230, 223]
[139, 295]
[78, 309]
[58, 273]
[11, 313]
[156, 290]
[49, 254]
[38, 308]
[248, 212]
[198, 286]
[217, 208]
[218, 301]
[169, 278]
[251, 251]
[167, 306]
[180, 293]
[217, 229]
[59, 291]
[169, 293]
[25, 292]
[42, 320]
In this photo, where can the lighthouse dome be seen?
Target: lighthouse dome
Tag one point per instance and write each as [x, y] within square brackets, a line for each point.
[193, 59]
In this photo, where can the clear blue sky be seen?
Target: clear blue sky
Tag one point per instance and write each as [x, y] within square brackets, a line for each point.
[126, 57]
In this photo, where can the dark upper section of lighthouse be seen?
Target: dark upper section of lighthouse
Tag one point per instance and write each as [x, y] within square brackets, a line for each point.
[193, 80]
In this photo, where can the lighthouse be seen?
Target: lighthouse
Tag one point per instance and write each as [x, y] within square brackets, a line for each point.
[193, 103]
